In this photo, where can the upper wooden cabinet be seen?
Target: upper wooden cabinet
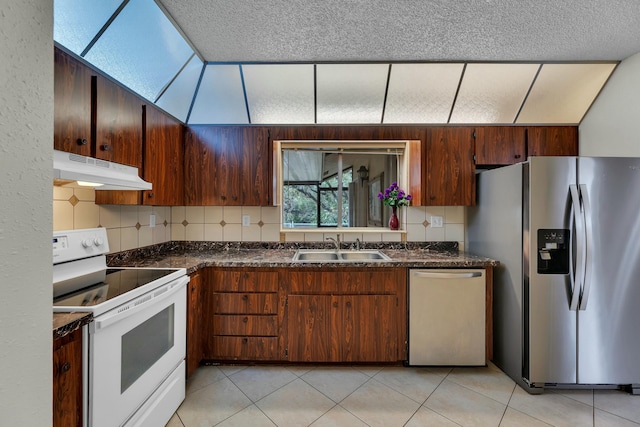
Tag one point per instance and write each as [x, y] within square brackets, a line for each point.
[227, 166]
[448, 167]
[552, 141]
[72, 105]
[118, 124]
[500, 145]
[163, 159]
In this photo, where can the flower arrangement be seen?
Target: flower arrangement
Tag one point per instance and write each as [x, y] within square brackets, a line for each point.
[394, 196]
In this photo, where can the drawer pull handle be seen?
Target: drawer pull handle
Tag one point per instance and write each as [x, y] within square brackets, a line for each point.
[245, 320]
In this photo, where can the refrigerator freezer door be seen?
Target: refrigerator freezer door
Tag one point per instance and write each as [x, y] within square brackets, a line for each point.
[609, 319]
[550, 326]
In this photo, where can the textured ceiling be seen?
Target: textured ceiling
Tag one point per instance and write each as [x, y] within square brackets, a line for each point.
[409, 30]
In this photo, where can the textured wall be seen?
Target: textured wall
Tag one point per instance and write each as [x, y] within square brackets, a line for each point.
[26, 127]
[610, 128]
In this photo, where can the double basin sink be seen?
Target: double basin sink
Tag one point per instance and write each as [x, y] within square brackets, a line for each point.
[323, 255]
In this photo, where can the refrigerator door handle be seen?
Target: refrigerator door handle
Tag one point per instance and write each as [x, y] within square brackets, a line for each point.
[588, 225]
[576, 275]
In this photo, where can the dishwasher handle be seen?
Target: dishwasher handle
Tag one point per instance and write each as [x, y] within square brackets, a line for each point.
[444, 275]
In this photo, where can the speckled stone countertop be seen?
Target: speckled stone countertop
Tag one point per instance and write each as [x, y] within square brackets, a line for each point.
[65, 323]
[196, 255]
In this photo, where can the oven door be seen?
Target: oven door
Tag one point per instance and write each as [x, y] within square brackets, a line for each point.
[133, 349]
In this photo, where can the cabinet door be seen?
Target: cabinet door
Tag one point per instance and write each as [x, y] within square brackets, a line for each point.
[552, 141]
[194, 323]
[449, 172]
[309, 326]
[118, 124]
[365, 327]
[71, 105]
[213, 166]
[256, 168]
[500, 145]
[227, 181]
[67, 380]
[163, 159]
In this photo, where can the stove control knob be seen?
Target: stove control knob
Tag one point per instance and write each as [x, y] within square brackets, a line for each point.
[98, 241]
[87, 243]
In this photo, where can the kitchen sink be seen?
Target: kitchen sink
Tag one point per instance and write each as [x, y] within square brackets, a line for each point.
[311, 255]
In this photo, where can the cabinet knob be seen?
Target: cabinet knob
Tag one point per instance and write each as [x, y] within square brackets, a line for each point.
[223, 197]
[244, 340]
[235, 197]
[245, 297]
[517, 156]
[246, 275]
[105, 147]
[82, 141]
[335, 304]
[64, 368]
[245, 320]
[348, 303]
[150, 195]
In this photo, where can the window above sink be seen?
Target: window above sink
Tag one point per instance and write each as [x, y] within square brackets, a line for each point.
[333, 185]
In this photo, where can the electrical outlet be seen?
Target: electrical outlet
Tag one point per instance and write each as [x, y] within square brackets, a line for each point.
[436, 221]
[246, 220]
[152, 220]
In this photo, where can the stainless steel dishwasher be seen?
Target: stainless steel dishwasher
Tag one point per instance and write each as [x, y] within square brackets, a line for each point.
[447, 317]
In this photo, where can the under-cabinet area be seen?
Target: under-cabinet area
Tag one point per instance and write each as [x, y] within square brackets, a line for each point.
[325, 314]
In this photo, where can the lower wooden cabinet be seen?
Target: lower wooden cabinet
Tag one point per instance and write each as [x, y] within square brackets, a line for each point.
[194, 323]
[67, 380]
[346, 315]
[304, 315]
[243, 307]
[343, 328]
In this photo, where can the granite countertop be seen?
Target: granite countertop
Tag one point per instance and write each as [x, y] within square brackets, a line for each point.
[65, 323]
[194, 255]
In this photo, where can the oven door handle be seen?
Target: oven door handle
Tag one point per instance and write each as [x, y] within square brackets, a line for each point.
[140, 303]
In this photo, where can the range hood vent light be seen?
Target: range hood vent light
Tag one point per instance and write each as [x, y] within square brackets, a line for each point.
[108, 175]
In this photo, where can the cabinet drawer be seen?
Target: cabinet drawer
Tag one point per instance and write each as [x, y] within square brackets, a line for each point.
[245, 281]
[245, 348]
[245, 325]
[245, 303]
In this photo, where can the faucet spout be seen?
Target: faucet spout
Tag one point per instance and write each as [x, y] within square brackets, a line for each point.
[335, 241]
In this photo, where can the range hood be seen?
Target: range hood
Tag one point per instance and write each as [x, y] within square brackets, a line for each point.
[101, 174]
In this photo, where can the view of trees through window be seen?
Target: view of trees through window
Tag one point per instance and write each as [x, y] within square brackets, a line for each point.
[311, 204]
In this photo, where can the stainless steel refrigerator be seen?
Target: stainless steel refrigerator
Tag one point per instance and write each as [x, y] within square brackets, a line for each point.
[566, 231]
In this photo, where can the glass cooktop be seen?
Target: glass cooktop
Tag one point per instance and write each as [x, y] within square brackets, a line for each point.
[117, 282]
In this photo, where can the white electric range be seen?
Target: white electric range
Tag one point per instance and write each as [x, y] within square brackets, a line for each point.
[134, 349]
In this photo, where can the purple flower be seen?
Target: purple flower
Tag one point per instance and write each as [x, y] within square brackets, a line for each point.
[380, 196]
[409, 197]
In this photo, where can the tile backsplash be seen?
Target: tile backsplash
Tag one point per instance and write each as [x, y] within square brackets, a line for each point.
[128, 226]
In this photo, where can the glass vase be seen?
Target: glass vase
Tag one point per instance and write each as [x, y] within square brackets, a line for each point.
[394, 222]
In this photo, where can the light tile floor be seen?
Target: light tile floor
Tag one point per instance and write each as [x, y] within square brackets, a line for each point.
[355, 396]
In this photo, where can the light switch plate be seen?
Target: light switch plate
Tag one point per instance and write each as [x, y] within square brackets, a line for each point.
[436, 221]
[152, 220]
[246, 220]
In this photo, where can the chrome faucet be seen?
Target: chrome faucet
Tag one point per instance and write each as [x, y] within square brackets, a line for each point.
[335, 241]
[357, 243]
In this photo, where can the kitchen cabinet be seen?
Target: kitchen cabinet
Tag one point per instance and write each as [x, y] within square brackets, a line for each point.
[72, 105]
[194, 322]
[163, 159]
[118, 124]
[552, 141]
[500, 145]
[448, 167]
[242, 317]
[67, 380]
[346, 315]
[227, 166]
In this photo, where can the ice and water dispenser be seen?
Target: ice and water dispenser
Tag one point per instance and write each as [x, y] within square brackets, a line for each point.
[553, 251]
